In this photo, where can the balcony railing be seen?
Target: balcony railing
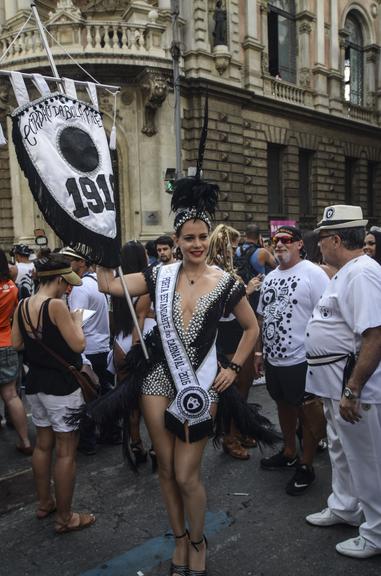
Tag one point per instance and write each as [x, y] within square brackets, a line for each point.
[108, 38]
[362, 114]
[286, 92]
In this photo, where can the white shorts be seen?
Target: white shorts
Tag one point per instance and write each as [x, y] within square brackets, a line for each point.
[49, 410]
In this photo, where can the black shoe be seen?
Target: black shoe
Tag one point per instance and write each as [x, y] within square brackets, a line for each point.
[301, 480]
[279, 461]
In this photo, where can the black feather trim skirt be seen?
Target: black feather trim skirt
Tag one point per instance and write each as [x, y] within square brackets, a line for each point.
[124, 399]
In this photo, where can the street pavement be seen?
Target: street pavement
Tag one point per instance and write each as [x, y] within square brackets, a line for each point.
[254, 528]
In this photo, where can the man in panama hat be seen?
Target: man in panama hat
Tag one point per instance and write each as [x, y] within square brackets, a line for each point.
[343, 343]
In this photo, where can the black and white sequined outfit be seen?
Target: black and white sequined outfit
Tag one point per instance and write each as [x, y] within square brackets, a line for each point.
[200, 333]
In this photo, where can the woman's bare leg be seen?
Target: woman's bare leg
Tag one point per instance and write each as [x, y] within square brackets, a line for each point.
[16, 411]
[187, 470]
[64, 473]
[187, 464]
[153, 408]
[41, 463]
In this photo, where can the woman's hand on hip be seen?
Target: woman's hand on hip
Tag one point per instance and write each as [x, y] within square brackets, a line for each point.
[224, 379]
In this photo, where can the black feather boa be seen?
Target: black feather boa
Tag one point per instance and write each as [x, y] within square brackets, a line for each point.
[124, 399]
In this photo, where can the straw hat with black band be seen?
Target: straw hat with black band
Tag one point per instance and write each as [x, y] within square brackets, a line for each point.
[341, 216]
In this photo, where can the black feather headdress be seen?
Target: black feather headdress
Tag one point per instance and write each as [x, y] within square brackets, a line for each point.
[194, 198]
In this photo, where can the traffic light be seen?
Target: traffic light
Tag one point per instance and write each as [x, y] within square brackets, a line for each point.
[169, 180]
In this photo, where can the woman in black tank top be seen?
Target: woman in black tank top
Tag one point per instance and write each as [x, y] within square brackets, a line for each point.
[41, 321]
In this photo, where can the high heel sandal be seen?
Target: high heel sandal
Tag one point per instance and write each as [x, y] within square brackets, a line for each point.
[152, 455]
[139, 453]
[176, 569]
[195, 544]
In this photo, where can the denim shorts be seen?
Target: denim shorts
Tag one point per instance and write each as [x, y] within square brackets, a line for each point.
[9, 365]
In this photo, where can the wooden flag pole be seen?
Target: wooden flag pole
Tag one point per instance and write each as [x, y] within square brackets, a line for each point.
[133, 313]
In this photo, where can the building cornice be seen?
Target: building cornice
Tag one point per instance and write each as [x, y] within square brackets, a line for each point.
[278, 108]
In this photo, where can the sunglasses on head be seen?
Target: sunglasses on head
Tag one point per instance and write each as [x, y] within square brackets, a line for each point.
[282, 239]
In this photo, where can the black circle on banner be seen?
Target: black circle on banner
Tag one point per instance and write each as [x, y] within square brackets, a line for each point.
[193, 402]
[78, 149]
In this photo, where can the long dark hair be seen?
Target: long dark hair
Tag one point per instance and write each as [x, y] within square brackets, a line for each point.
[377, 237]
[133, 259]
[4, 268]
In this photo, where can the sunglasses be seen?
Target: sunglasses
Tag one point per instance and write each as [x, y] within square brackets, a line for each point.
[283, 239]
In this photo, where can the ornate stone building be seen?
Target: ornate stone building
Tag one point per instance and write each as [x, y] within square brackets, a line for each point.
[294, 97]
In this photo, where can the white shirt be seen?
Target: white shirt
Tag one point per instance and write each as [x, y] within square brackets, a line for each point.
[24, 280]
[350, 305]
[286, 302]
[97, 328]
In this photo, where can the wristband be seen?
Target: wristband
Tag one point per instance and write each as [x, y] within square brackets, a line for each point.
[258, 354]
[235, 367]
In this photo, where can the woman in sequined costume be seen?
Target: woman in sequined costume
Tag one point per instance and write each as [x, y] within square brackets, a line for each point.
[202, 295]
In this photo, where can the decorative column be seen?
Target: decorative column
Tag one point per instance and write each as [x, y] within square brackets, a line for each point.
[197, 48]
[24, 208]
[252, 48]
[370, 75]
[263, 26]
[304, 28]
[320, 70]
[335, 77]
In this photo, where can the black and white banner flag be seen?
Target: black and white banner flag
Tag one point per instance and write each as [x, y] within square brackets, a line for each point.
[62, 148]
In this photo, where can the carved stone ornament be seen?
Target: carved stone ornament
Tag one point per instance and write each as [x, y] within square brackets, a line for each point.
[371, 53]
[305, 78]
[68, 6]
[154, 90]
[265, 62]
[263, 5]
[370, 100]
[305, 28]
[221, 57]
[100, 5]
[4, 98]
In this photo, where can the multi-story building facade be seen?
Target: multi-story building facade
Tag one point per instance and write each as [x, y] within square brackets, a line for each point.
[294, 103]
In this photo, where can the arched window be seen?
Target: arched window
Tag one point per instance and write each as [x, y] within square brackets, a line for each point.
[354, 62]
[281, 39]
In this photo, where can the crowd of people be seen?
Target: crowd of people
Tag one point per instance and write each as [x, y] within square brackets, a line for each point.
[216, 310]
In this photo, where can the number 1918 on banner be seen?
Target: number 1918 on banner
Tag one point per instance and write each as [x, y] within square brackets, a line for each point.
[89, 195]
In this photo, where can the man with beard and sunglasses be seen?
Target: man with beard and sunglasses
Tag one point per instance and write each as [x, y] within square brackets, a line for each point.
[288, 296]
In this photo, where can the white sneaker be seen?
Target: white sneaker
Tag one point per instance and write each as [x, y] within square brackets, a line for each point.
[327, 518]
[357, 548]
